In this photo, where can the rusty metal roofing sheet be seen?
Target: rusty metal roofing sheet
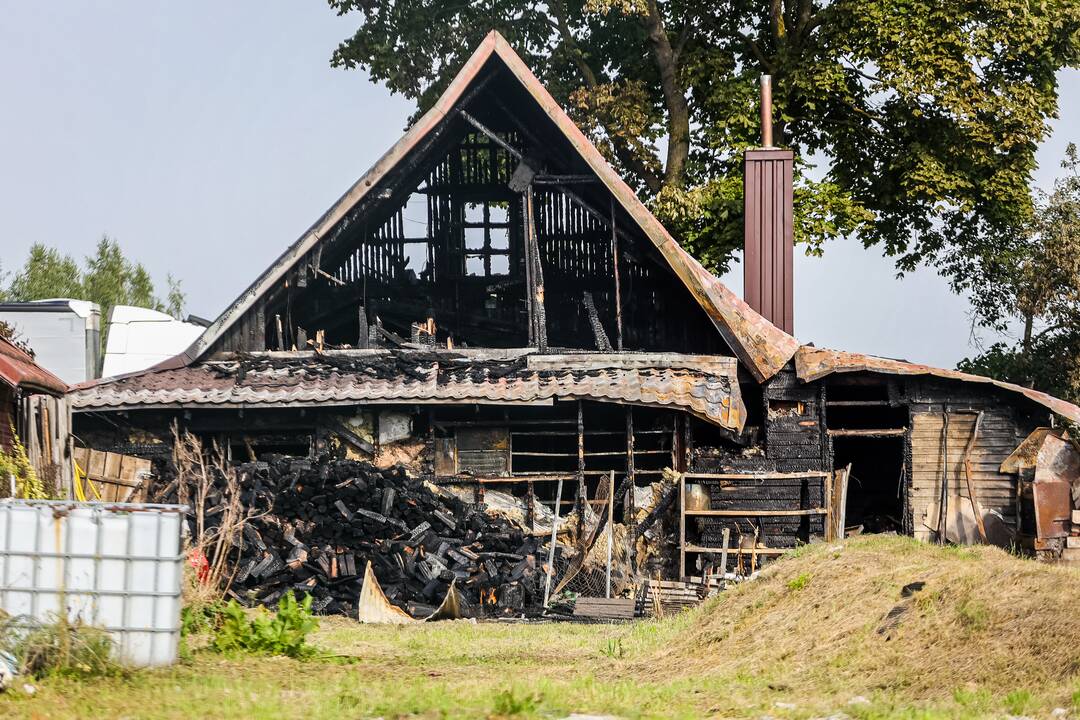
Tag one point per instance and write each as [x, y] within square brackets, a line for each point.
[762, 347]
[705, 387]
[18, 369]
[812, 363]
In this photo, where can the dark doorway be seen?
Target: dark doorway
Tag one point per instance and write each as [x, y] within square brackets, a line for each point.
[875, 493]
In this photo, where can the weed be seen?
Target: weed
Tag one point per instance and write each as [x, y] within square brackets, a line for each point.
[508, 702]
[798, 583]
[1017, 701]
[613, 649]
[201, 617]
[283, 633]
[60, 648]
[1076, 699]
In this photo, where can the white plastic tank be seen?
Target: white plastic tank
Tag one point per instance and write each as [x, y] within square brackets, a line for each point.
[114, 566]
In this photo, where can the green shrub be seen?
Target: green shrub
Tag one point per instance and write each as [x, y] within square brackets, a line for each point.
[201, 617]
[509, 702]
[16, 463]
[282, 633]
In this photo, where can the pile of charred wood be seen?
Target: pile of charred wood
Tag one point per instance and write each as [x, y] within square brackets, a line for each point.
[311, 526]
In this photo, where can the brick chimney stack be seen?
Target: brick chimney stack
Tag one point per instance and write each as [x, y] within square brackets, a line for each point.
[768, 281]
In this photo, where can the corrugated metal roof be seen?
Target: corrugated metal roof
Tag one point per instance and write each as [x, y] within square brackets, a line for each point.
[18, 369]
[762, 347]
[705, 386]
[812, 363]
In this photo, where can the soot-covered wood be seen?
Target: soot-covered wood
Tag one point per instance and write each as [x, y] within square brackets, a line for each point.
[328, 518]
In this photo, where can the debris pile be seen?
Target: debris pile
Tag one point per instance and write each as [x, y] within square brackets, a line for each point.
[314, 524]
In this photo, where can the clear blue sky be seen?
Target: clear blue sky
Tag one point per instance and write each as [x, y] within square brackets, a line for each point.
[206, 136]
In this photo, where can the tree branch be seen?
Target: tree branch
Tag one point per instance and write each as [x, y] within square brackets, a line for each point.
[674, 96]
[621, 147]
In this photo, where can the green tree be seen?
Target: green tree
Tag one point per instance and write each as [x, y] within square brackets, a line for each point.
[46, 274]
[1034, 283]
[926, 112]
[109, 278]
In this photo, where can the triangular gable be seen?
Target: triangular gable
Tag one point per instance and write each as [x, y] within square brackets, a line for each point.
[761, 346]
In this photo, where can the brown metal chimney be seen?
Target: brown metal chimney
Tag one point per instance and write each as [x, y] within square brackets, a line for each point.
[768, 284]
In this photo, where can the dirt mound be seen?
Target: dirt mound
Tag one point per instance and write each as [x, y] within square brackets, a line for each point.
[889, 613]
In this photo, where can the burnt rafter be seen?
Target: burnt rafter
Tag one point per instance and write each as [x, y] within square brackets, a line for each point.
[401, 234]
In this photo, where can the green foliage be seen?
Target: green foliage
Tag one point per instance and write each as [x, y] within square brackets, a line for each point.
[508, 703]
[613, 649]
[798, 583]
[1033, 280]
[927, 113]
[1017, 701]
[282, 633]
[27, 484]
[201, 617]
[109, 278]
[60, 648]
[46, 274]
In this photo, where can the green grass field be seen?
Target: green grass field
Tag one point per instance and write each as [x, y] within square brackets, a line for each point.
[718, 661]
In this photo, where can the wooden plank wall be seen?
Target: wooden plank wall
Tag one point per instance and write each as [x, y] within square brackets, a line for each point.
[999, 434]
[44, 426]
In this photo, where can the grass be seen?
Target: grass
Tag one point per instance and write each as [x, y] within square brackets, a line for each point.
[800, 643]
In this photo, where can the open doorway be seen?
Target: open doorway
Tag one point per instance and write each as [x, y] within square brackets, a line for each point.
[875, 491]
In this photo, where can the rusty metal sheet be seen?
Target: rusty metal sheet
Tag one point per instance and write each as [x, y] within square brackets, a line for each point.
[1053, 508]
[813, 363]
[18, 369]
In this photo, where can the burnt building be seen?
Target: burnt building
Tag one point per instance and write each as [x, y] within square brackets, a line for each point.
[492, 306]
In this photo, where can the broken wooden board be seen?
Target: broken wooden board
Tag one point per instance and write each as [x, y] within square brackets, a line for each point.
[604, 608]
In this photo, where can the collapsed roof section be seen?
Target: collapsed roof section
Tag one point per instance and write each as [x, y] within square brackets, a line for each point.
[705, 386]
[498, 117]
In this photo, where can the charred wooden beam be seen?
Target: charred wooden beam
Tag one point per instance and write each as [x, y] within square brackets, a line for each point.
[599, 335]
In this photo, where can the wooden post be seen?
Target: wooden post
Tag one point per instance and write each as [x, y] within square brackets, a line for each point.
[723, 553]
[581, 493]
[537, 286]
[682, 526]
[530, 518]
[629, 506]
[618, 288]
[976, 506]
[943, 522]
[551, 549]
[530, 298]
[830, 530]
[610, 530]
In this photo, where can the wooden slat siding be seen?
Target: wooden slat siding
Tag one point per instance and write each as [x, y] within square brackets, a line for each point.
[998, 437]
[769, 238]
